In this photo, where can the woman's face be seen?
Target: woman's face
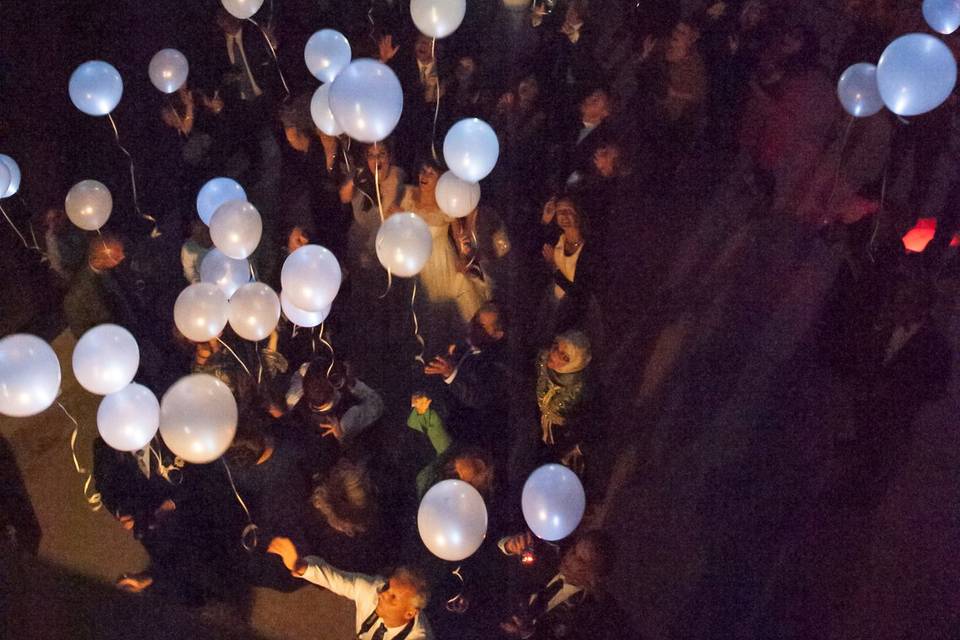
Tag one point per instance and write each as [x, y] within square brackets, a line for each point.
[296, 239]
[378, 159]
[567, 217]
[605, 160]
[557, 358]
[428, 178]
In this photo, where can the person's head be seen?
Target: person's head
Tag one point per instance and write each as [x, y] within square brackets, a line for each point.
[228, 23]
[753, 14]
[576, 11]
[420, 401]
[682, 40]
[203, 351]
[378, 157]
[588, 561]
[428, 173]
[346, 498]
[298, 126]
[569, 353]
[423, 49]
[405, 594]
[298, 237]
[528, 89]
[466, 68]
[569, 216]
[318, 392]
[105, 252]
[474, 467]
[609, 160]
[247, 449]
[487, 326]
[596, 106]
[200, 233]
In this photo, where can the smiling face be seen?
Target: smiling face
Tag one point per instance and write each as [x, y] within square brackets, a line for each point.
[422, 49]
[428, 178]
[567, 215]
[378, 159]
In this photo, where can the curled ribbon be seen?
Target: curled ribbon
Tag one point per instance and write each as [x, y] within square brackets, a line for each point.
[249, 538]
[155, 233]
[93, 499]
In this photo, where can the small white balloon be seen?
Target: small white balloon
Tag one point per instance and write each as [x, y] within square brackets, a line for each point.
[311, 277]
[14, 170]
[235, 229]
[29, 375]
[198, 418]
[553, 502]
[437, 18]
[5, 177]
[201, 312]
[225, 272]
[471, 149]
[89, 204]
[106, 359]
[916, 74]
[128, 419]
[216, 192]
[457, 198]
[327, 53]
[943, 16]
[168, 70]
[96, 88]
[452, 520]
[254, 311]
[321, 114]
[404, 244]
[298, 316]
[858, 91]
[366, 99]
[242, 9]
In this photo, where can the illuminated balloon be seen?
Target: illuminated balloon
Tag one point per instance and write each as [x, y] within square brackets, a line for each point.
[916, 74]
[437, 18]
[201, 312]
[298, 316]
[88, 204]
[404, 244]
[168, 70]
[553, 502]
[366, 99]
[471, 149]
[5, 177]
[457, 198]
[96, 88]
[321, 114]
[214, 193]
[327, 53]
[235, 228]
[225, 272]
[106, 359]
[198, 418]
[128, 419]
[858, 91]
[452, 520]
[29, 375]
[943, 16]
[14, 170]
[311, 277]
[254, 311]
[242, 9]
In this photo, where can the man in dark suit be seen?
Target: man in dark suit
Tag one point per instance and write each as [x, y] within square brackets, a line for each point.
[580, 138]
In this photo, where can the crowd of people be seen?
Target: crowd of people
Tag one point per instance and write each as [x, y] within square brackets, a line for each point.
[502, 354]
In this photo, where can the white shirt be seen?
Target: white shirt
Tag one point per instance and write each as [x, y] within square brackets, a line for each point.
[567, 265]
[364, 591]
[235, 43]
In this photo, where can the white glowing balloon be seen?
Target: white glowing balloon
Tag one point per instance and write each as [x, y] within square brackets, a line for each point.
[858, 91]
[242, 9]
[321, 114]
[404, 244]
[201, 312]
[916, 74]
[29, 375]
[471, 149]
[128, 419]
[214, 193]
[457, 198]
[198, 418]
[14, 169]
[943, 16]
[5, 178]
[367, 100]
[106, 359]
[298, 316]
[227, 273]
[96, 88]
[89, 204]
[553, 502]
[326, 53]
[437, 18]
[452, 520]
[168, 70]
[235, 229]
[254, 311]
[311, 277]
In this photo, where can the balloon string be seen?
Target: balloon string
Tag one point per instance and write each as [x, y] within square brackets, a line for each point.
[416, 327]
[93, 499]
[373, 25]
[273, 52]
[164, 470]
[14, 227]
[836, 175]
[155, 232]
[453, 600]
[249, 531]
[436, 112]
[876, 224]
[260, 363]
[389, 284]
[26, 208]
[234, 353]
[346, 158]
[333, 354]
[376, 181]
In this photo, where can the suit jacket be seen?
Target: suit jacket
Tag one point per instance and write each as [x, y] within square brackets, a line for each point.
[477, 398]
[575, 155]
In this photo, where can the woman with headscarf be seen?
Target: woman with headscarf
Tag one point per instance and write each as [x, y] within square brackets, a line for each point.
[562, 393]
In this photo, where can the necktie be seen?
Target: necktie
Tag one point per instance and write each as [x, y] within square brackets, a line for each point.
[379, 633]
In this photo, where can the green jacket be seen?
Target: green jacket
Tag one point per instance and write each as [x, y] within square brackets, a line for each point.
[431, 425]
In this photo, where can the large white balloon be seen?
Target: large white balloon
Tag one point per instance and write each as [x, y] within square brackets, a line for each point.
[471, 149]
[452, 520]
[242, 9]
[216, 192]
[254, 311]
[943, 16]
[553, 502]
[198, 418]
[437, 18]
[327, 53]
[858, 91]
[404, 244]
[89, 204]
[227, 273]
[128, 419]
[14, 169]
[168, 70]
[106, 359]
[916, 74]
[5, 178]
[321, 114]
[366, 99]
[311, 277]
[29, 375]
[298, 316]
[96, 88]
[201, 312]
[457, 198]
[235, 228]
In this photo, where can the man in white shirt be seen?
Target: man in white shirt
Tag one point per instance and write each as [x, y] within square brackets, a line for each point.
[387, 608]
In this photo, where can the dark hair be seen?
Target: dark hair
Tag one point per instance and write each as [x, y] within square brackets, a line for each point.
[247, 447]
[426, 161]
[573, 199]
[296, 114]
[493, 307]
[481, 461]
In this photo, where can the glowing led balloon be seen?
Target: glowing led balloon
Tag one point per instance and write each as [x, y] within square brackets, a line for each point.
[128, 419]
[437, 18]
[452, 520]
[242, 9]
[168, 70]
[457, 198]
[311, 277]
[89, 204]
[29, 375]
[321, 114]
[227, 273]
[327, 53]
[198, 418]
[96, 88]
[106, 359]
[943, 16]
[13, 169]
[404, 244]
[916, 74]
[471, 149]
[254, 311]
[366, 99]
[858, 91]
[553, 502]
[201, 312]
[298, 316]
[236, 228]
[216, 192]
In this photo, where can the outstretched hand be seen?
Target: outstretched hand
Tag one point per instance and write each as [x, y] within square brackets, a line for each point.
[287, 551]
[387, 50]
